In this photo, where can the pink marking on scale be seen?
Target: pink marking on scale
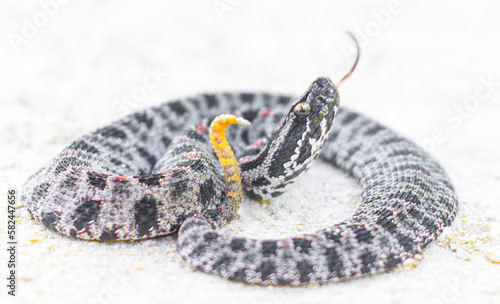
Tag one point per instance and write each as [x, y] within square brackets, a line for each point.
[200, 128]
[87, 137]
[244, 159]
[123, 120]
[191, 155]
[257, 143]
[266, 112]
[284, 244]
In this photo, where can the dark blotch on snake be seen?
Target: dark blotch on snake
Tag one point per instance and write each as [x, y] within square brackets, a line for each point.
[97, 180]
[146, 215]
[151, 159]
[50, 219]
[334, 262]
[222, 262]
[266, 269]
[177, 107]
[112, 132]
[86, 212]
[237, 244]
[143, 118]
[250, 114]
[211, 100]
[362, 234]
[207, 192]
[305, 269]
[303, 244]
[108, 236]
[247, 98]
[269, 248]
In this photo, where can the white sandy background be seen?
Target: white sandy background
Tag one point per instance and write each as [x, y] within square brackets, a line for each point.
[429, 69]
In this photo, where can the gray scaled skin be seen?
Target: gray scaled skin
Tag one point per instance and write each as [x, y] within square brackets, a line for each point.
[154, 171]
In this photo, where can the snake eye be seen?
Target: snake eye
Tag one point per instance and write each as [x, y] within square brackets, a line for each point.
[302, 109]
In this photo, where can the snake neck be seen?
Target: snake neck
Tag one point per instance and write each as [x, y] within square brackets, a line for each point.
[228, 162]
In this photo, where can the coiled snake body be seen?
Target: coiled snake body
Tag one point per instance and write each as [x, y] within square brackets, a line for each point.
[154, 173]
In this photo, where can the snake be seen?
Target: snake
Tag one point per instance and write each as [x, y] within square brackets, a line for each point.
[169, 169]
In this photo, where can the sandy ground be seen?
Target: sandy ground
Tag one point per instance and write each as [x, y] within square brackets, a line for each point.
[429, 70]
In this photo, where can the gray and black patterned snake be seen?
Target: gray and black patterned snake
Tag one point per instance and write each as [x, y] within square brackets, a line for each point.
[155, 172]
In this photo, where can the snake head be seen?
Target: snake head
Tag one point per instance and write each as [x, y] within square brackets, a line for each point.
[319, 100]
[295, 144]
[307, 125]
